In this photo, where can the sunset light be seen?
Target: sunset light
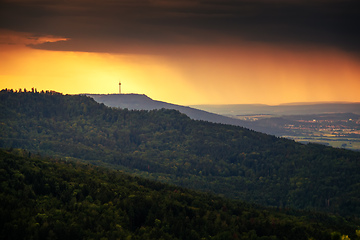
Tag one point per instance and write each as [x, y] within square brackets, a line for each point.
[179, 119]
[191, 66]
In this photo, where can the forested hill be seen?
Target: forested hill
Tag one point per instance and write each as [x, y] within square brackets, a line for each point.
[168, 146]
[45, 198]
[143, 102]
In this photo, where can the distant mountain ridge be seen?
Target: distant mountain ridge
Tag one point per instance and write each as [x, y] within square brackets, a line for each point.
[226, 114]
[283, 109]
[143, 102]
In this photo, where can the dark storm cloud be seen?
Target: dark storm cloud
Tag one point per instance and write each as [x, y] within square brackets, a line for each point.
[134, 26]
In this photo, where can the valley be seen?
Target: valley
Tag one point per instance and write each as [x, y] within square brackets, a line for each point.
[341, 130]
[331, 124]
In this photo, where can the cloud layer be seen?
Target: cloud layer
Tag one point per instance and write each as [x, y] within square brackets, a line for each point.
[185, 52]
[146, 26]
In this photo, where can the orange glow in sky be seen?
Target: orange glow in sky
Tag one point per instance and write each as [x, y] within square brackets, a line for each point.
[248, 73]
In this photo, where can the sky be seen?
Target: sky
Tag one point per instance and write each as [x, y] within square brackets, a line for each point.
[184, 51]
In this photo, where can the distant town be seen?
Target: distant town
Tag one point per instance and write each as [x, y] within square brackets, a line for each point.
[336, 130]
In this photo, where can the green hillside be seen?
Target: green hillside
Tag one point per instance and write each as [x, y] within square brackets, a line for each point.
[44, 198]
[168, 146]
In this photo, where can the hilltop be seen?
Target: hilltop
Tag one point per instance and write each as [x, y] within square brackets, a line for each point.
[143, 102]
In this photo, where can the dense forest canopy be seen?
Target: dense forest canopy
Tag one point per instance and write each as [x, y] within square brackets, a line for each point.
[43, 198]
[168, 146]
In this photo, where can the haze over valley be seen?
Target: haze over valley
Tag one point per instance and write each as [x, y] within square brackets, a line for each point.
[335, 124]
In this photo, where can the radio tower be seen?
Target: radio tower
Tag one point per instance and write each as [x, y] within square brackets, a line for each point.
[119, 87]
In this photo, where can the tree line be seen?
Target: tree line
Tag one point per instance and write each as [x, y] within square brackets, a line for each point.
[49, 198]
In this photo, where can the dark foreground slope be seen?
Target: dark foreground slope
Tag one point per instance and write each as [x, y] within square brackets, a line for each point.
[168, 146]
[52, 199]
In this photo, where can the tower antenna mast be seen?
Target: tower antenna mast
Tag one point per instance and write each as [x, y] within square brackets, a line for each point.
[119, 87]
